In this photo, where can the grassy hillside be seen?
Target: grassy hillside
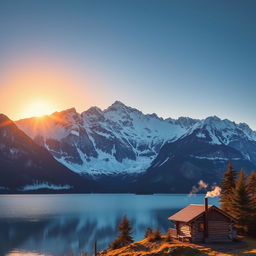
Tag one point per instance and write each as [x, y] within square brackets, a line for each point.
[246, 246]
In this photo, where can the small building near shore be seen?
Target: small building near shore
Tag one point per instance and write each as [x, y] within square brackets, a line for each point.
[203, 223]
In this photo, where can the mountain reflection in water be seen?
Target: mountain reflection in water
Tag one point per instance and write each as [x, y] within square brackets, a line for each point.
[58, 225]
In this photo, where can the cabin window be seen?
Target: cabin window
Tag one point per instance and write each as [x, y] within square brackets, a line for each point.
[201, 226]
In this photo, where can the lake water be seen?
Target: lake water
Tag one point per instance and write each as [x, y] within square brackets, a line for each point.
[58, 225]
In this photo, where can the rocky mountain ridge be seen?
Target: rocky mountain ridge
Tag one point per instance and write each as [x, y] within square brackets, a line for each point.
[123, 140]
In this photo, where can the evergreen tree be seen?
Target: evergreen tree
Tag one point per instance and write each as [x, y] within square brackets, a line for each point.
[124, 238]
[227, 185]
[241, 203]
[148, 232]
[251, 187]
[156, 236]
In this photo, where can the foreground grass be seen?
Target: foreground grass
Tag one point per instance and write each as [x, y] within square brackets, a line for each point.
[245, 246]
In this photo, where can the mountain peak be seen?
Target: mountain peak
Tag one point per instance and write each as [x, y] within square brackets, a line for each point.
[3, 118]
[212, 119]
[214, 122]
[5, 121]
[186, 121]
[93, 113]
[118, 104]
[154, 115]
[69, 111]
[94, 110]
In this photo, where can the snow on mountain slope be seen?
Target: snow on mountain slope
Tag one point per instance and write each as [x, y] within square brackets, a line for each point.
[24, 164]
[217, 132]
[117, 140]
[222, 131]
[121, 139]
[202, 153]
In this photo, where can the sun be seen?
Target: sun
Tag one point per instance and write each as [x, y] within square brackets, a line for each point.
[38, 108]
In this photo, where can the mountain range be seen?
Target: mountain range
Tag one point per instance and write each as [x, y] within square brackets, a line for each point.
[120, 149]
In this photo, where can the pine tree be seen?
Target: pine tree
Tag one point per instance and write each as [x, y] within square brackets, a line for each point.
[251, 188]
[227, 185]
[241, 203]
[156, 236]
[124, 238]
[148, 232]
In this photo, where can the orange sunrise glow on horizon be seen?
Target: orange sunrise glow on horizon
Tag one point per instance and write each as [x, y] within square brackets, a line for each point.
[34, 86]
[80, 56]
[39, 88]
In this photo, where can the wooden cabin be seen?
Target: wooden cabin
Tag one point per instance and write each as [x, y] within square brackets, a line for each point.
[203, 223]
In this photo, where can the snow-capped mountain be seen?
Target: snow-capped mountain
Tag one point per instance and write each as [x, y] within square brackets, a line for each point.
[26, 166]
[201, 154]
[224, 132]
[117, 140]
[123, 140]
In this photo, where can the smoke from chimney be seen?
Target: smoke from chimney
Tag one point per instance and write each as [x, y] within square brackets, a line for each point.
[202, 184]
[195, 189]
[215, 192]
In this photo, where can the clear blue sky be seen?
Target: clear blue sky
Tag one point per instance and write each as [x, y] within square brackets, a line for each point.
[176, 58]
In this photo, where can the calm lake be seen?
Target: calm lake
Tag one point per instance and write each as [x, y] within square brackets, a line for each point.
[55, 225]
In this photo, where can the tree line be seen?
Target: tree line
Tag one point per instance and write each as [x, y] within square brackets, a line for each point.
[125, 235]
[238, 198]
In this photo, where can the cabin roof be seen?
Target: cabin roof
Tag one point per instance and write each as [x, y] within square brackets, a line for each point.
[193, 211]
[189, 213]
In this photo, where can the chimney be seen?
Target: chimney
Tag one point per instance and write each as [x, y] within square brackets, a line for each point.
[206, 217]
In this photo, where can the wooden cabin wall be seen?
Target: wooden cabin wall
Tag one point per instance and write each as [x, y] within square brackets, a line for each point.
[219, 231]
[196, 234]
[219, 228]
[184, 229]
